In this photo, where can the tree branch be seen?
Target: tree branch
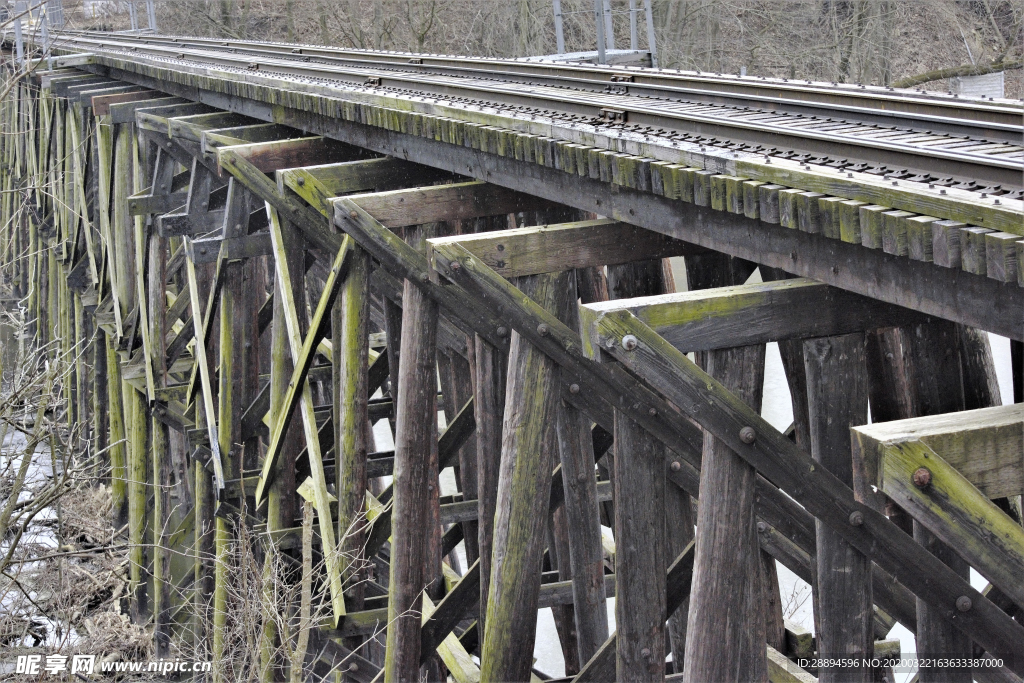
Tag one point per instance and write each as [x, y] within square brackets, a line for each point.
[965, 70]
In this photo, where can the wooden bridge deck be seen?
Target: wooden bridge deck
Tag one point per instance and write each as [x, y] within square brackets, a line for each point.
[262, 265]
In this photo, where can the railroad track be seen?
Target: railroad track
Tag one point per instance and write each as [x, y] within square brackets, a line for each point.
[857, 102]
[965, 143]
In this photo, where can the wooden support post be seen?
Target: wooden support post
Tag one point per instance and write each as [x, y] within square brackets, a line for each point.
[350, 347]
[281, 508]
[457, 392]
[415, 447]
[137, 428]
[727, 568]
[160, 447]
[648, 278]
[100, 403]
[792, 353]
[524, 487]
[640, 558]
[586, 552]
[488, 409]
[837, 397]
[706, 271]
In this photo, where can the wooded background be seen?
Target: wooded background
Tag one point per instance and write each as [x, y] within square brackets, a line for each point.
[882, 42]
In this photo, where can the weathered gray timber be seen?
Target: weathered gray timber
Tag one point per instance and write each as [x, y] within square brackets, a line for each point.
[727, 565]
[838, 400]
[161, 222]
[415, 447]
[524, 484]
[639, 553]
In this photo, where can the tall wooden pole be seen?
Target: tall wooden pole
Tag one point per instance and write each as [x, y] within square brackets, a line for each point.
[837, 391]
[349, 329]
[524, 487]
[415, 447]
[725, 632]
[640, 558]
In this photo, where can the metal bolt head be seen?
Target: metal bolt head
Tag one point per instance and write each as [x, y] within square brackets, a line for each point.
[353, 667]
[761, 527]
[542, 330]
[964, 604]
[646, 652]
[629, 342]
[922, 477]
[652, 412]
[574, 388]
[747, 435]
[301, 181]
[502, 331]
[424, 277]
[675, 466]
[456, 265]
[856, 518]
[354, 214]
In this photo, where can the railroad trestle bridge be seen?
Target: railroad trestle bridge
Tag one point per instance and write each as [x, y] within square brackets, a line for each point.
[269, 248]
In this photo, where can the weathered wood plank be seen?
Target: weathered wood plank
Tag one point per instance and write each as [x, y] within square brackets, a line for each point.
[754, 314]
[317, 182]
[983, 445]
[563, 246]
[959, 514]
[276, 154]
[458, 201]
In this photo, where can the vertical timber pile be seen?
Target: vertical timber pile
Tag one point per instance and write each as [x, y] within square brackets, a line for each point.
[415, 448]
[837, 396]
[727, 582]
[524, 487]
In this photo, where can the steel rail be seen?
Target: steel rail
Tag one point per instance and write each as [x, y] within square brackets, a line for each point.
[772, 128]
[855, 101]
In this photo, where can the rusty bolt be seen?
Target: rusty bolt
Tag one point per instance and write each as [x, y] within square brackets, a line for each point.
[747, 435]
[456, 265]
[675, 466]
[964, 604]
[502, 331]
[856, 518]
[629, 342]
[354, 214]
[542, 330]
[922, 477]
[574, 388]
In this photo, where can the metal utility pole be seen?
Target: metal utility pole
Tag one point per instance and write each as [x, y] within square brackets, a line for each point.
[599, 21]
[609, 29]
[559, 35]
[651, 45]
[19, 8]
[634, 42]
[151, 15]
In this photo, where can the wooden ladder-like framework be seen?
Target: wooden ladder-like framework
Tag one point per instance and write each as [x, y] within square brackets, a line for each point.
[257, 297]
